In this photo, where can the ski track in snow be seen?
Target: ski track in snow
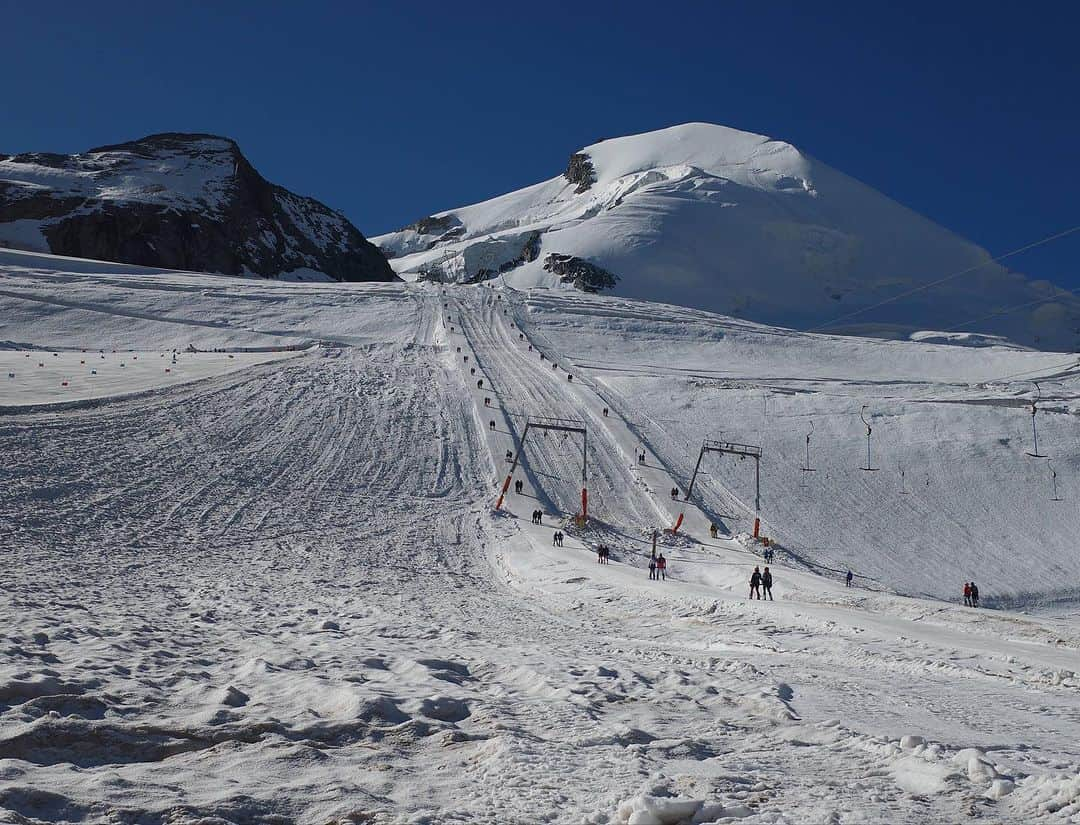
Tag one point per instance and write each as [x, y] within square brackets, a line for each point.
[279, 595]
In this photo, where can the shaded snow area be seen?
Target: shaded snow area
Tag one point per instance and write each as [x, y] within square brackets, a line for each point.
[706, 216]
[280, 593]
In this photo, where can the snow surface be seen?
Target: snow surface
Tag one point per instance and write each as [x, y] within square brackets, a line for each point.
[707, 216]
[281, 594]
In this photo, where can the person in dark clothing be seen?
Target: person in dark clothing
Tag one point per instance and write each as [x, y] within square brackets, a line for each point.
[539, 516]
[661, 567]
[848, 578]
[974, 595]
[491, 424]
[755, 584]
[766, 584]
[652, 567]
[536, 517]
[674, 492]
[607, 554]
[599, 554]
[712, 530]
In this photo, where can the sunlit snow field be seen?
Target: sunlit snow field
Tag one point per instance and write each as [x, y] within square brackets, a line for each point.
[273, 588]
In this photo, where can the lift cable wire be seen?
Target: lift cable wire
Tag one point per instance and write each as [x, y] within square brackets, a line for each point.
[947, 278]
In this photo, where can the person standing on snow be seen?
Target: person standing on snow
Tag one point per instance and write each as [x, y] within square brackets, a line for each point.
[661, 567]
[652, 566]
[848, 578]
[967, 594]
[974, 595]
[712, 530]
[766, 584]
[755, 584]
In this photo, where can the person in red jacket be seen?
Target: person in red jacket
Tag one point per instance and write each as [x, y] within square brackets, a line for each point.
[661, 567]
[967, 594]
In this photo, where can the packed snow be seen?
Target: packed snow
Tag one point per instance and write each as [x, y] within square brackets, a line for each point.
[710, 217]
[280, 591]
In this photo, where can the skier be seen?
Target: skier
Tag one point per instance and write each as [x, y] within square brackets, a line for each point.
[712, 530]
[974, 595]
[607, 554]
[848, 578]
[540, 517]
[569, 377]
[661, 567]
[766, 584]
[674, 492]
[605, 412]
[555, 539]
[491, 424]
[652, 567]
[967, 594]
[480, 384]
[487, 401]
[509, 455]
[599, 554]
[534, 516]
[755, 584]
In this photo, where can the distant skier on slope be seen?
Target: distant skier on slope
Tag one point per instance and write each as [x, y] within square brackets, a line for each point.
[712, 530]
[974, 595]
[652, 567]
[848, 578]
[755, 584]
[661, 567]
[766, 584]
[967, 594]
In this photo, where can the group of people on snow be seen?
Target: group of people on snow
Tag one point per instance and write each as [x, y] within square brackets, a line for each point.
[557, 539]
[518, 486]
[657, 567]
[971, 594]
[761, 584]
[538, 517]
[603, 553]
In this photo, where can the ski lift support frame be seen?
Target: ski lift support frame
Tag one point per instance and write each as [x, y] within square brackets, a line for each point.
[711, 445]
[566, 425]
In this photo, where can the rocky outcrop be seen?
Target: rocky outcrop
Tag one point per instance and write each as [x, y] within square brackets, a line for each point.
[580, 170]
[585, 276]
[179, 201]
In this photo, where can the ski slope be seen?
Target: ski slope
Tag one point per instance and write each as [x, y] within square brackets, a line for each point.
[280, 593]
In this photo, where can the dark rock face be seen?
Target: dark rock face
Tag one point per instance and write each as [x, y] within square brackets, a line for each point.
[585, 276]
[580, 171]
[181, 201]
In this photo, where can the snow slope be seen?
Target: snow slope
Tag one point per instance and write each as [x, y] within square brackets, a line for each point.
[733, 222]
[281, 595]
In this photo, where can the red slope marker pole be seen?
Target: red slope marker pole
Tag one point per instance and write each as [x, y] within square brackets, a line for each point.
[678, 524]
[502, 494]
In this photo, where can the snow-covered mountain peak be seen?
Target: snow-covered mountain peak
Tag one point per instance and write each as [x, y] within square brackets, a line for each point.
[680, 151]
[741, 224]
[179, 201]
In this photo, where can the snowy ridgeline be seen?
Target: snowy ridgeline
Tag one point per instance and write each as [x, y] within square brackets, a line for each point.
[279, 593]
[711, 217]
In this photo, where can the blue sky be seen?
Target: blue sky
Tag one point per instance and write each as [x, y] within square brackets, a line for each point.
[966, 112]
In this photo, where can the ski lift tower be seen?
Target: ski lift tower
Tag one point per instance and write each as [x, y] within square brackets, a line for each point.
[1034, 409]
[710, 445]
[566, 425]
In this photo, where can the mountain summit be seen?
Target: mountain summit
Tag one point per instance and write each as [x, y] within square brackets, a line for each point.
[738, 223]
[180, 201]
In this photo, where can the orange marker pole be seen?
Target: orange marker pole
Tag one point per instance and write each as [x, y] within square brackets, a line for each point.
[502, 494]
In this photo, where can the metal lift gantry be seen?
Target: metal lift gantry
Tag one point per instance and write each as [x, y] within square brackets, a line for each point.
[566, 425]
[710, 445]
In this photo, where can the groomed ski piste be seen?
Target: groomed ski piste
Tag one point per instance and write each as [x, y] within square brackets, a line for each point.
[278, 590]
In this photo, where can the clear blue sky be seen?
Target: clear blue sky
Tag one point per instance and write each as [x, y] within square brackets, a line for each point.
[966, 112]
